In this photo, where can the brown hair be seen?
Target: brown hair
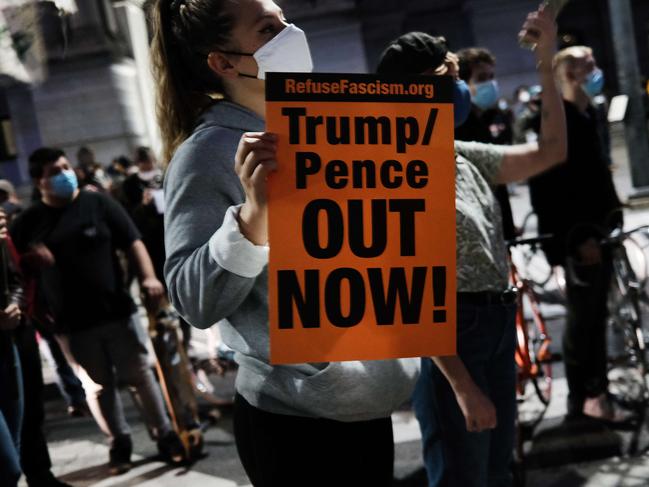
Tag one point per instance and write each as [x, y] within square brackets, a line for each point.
[184, 32]
[472, 56]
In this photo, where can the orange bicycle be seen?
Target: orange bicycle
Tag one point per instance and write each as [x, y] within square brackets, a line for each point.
[533, 356]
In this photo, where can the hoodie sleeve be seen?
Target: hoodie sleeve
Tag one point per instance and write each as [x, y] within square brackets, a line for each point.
[211, 267]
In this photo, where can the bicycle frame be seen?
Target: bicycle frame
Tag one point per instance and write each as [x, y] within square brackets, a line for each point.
[527, 359]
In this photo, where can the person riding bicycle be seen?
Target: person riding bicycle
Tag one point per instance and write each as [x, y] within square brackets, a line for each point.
[574, 202]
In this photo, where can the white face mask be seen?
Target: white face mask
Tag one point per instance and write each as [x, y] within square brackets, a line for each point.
[149, 175]
[287, 52]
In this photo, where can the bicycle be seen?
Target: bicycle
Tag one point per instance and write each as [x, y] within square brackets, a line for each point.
[533, 355]
[549, 282]
[628, 305]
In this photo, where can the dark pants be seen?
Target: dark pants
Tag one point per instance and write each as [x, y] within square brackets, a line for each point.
[584, 339]
[11, 413]
[35, 458]
[453, 456]
[291, 451]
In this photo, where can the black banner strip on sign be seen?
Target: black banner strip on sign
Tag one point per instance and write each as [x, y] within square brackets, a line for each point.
[336, 87]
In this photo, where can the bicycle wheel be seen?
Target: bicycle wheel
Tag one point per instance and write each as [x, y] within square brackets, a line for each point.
[626, 337]
[538, 346]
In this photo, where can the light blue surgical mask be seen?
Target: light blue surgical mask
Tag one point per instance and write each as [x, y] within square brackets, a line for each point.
[594, 83]
[461, 102]
[486, 94]
[64, 184]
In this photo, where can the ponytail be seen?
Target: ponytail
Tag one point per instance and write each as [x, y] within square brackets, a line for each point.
[184, 31]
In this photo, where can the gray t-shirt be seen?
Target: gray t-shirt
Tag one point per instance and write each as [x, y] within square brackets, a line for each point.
[481, 249]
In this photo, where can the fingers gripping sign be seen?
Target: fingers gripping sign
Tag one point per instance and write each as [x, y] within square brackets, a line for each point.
[255, 159]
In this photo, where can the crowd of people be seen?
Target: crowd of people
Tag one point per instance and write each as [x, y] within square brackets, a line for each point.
[70, 256]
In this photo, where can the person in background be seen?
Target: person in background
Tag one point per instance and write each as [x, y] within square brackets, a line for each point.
[486, 122]
[528, 123]
[68, 241]
[9, 201]
[90, 173]
[520, 100]
[35, 456]
[466, 404]
[142, 192]
[11, 380]
[577, 203]
[143, 198]
[120, 168]
[66, 380]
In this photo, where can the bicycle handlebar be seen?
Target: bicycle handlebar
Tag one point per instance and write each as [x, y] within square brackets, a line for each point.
[534, 241]
[617, 235]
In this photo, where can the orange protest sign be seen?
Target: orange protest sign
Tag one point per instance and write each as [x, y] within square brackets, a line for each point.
[361, 217]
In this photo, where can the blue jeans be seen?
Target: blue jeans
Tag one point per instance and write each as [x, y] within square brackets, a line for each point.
[11, 414]
[453, 456]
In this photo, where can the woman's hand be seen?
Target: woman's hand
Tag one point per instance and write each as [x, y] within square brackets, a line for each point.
[478, 410]
[10, 317]
[540, 29]
[450, 67]
[254, 161]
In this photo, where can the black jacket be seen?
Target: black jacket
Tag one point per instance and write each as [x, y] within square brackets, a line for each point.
[577, 199]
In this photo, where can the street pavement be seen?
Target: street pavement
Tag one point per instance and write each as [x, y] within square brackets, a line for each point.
[560, 454]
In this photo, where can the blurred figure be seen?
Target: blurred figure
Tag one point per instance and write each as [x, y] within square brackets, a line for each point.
[69, 385]
[34, 456]
[575, 202]
[144, 200]
[520, 100]
[487, 123]
[9, 201]
[527, 124]
[142, 192]
[90, 173]
[68, 242]
[11, 383]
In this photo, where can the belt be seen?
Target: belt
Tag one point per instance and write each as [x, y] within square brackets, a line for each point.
[485, 298]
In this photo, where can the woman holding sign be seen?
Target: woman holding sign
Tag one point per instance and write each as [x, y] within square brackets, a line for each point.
[304, 425]
[466, 404]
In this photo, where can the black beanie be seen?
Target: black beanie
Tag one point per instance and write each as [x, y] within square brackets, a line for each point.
[413, 53]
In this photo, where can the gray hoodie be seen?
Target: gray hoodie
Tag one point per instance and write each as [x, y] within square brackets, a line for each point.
[215, 275]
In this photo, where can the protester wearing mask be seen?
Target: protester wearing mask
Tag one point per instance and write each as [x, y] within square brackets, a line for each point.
[292, 423]
[68, 242]
[466, 404]
[577, 203]
[486, 122]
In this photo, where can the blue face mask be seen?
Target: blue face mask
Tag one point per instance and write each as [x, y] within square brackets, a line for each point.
[486, 94]
[461, 102]
[594, 83]
[64, 184]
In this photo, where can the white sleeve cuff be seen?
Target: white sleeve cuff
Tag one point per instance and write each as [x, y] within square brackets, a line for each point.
[234, 252]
